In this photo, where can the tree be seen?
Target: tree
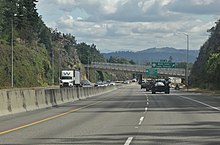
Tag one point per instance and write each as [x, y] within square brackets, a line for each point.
[132, 62]
[45, 37]
[213, 68]
[88, 53]
[170, 59]
[25, 18]
[2, 3]
[113, 59]
[206, 70]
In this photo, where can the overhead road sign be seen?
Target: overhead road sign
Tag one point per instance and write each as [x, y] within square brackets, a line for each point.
[163, 64]
[151, 72]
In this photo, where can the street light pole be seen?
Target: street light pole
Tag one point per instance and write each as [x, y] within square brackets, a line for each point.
[88, 67]
[12, 48]
[12, 54]
[52, 66]
[187, 59]
[60, 64]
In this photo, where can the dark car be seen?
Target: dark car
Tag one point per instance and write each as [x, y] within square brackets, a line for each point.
[85, 83]
[99, 84]
[143, 84]
[149, 84]
[160, 86]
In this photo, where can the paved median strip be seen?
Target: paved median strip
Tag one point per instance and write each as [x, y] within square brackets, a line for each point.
[47, 119]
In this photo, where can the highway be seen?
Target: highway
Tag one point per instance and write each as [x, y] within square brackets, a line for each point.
[127, 116]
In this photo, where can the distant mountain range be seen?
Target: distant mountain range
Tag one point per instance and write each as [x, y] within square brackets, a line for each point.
[155, 54]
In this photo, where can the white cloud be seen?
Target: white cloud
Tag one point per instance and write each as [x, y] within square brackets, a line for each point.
[199, 7]
[132, 24]
[203, 2]
[66, 21]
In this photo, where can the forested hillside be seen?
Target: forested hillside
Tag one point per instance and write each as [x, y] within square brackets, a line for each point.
[155, 54]
[39, 52]
[206, 69]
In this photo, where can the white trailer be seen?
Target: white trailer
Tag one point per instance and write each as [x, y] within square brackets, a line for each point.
[77, 78]
[69, 78]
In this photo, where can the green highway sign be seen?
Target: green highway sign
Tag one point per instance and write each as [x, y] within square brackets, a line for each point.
[163, 64]
[151, 72]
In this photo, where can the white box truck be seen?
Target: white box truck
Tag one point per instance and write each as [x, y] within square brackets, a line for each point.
[70, 78]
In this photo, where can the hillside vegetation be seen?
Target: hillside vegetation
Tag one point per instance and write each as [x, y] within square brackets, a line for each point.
[39, 52]
[206, 69]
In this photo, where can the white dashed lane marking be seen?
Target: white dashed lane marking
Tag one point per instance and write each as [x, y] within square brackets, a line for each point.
[128, 141]
[141, 120]
[146, 109]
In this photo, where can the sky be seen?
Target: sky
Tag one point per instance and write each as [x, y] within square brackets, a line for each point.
[132, 25]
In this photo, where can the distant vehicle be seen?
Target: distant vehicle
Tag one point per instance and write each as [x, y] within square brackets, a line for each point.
[118, 81]
[126, 82]
[177, 87]
[110, 83]
[85, 83]
[134, 80]
[149, 84]
[70, 78]
[143, 84]
[99, 84]
[160, 86]
[105, 83]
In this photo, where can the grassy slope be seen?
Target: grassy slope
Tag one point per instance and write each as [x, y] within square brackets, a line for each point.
[31, 66]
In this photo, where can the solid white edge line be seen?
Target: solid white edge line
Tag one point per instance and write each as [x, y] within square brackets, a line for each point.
[128, 141]
[207, 105]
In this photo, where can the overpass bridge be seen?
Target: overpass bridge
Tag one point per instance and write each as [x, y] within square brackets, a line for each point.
[169, 72]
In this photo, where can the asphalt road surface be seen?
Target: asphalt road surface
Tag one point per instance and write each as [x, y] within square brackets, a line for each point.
[127, 116]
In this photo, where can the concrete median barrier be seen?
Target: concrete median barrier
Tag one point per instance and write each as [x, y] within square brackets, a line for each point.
[16, 101]
[21, 100]
[29, 100]
[3, 103]
[49, 97]
[40, 98]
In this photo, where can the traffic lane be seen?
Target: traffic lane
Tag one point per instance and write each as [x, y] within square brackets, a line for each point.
[172, 119]
[205, 98]
[107, 122]
[20, 119]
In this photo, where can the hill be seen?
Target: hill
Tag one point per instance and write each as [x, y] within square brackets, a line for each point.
[206, 69]
[155, 54]
[39, 52]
